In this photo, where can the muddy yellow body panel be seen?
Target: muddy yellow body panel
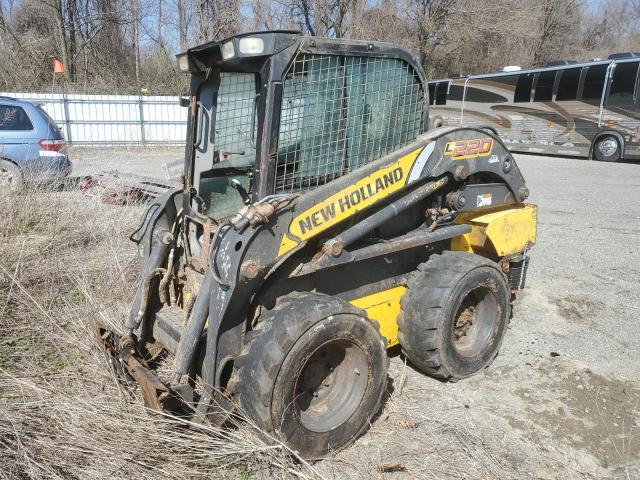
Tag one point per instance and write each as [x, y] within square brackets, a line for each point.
[498, 233]
[383, 307]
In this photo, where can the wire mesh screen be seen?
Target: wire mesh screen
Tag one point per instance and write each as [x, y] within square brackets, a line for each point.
[341, 112]
[236, 112]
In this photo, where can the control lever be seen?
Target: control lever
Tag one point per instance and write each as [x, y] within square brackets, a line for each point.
[235, 183]
[220, 155]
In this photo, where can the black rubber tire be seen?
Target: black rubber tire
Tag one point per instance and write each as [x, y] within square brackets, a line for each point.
[601, 157]
[16, 173]
[429, 312]
[278, 352]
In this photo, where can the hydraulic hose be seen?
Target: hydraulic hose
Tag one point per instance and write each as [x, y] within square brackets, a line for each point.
[192, 332]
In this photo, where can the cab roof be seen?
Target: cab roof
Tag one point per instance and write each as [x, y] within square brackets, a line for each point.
[210, 54]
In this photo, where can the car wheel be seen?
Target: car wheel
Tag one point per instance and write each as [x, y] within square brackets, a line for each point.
[607, 149]
[10, 177]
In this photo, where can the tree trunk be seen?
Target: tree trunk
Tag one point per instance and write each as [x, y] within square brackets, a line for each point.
[136, 38]
[203, 26]
[160, 41]
[62, 34]
[257, 15]
[72, 45]
[182, 25]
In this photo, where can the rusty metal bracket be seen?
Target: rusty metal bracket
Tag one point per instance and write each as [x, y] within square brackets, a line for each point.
[157, 395]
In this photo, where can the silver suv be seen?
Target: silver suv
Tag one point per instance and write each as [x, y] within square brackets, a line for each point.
[32, 148]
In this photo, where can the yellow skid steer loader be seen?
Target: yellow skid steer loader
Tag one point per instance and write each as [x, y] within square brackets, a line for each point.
[318, 226]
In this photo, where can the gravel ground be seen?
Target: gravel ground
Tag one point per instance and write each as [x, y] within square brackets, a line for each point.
[561, 400]
[148, 162]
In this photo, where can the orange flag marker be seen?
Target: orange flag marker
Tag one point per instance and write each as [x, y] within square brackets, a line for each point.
[58, 66]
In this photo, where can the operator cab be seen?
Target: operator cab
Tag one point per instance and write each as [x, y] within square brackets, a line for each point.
[281, 113]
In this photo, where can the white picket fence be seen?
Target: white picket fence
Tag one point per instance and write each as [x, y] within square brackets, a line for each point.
[114, 119]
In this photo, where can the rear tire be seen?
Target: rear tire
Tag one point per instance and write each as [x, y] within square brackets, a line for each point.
[454, 315]
[607, 149]
[313, 373]
[11, 178]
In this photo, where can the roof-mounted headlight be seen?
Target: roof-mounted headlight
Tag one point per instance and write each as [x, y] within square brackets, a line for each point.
[227, 50]
[251, 46]
[183, 63]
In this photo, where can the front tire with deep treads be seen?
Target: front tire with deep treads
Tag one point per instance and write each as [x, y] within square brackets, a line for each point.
[454, 315]
[312, 373]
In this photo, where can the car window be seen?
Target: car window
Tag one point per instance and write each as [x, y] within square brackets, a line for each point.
[14, 118]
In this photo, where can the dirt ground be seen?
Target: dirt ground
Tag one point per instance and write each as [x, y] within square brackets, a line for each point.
[562, 399]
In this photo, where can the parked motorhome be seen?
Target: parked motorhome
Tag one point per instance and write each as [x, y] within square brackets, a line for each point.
[566, 108]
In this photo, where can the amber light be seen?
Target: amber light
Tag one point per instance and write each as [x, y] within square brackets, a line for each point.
[611, 123]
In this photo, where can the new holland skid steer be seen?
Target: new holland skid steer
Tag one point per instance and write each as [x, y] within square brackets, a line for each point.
[318, 227]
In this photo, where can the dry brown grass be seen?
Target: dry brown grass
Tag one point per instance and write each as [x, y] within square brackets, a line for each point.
[65, 260]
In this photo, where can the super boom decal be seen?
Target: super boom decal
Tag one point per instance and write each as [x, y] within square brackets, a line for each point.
[349, 201]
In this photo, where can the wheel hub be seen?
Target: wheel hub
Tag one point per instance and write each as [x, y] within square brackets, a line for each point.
[475, 321]
[331, 385]
[608, 147]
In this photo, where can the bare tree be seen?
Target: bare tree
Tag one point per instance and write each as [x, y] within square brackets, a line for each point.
[135, 14]
[118, 45]
[182, 25]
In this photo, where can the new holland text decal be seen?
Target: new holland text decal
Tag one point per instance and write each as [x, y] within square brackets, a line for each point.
[350, 200]
[469, 148]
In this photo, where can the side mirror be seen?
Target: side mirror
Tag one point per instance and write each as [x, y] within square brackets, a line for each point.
[184, 101]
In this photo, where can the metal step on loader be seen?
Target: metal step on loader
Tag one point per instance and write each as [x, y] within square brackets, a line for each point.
[320, 228]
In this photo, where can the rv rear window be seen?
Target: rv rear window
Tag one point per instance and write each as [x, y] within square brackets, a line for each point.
[594, 82]
[544, 86]
[568, 86]
[624, 81]
[523, 88]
